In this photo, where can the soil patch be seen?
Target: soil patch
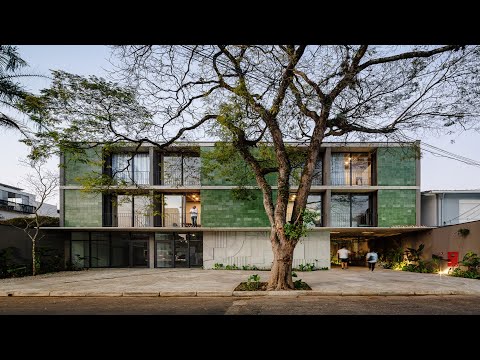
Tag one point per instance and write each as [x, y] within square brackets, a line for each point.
[262, 286]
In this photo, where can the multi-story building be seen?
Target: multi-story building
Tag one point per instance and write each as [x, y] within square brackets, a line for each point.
[360, 191]
[450, 207]
[17, 203]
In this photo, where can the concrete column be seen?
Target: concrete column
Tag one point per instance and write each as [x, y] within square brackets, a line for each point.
[151, 165]
[327, 203]
[62, 191]
[418, 207]
[327, 159]
[151, 251]
[326, 166]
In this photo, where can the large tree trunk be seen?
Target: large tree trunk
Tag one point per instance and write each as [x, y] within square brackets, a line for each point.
[281, 273]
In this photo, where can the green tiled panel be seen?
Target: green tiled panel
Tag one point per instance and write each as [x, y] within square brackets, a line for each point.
[220, 209]
[217, 179]
[74, 169]
[396, 166]
[82, 209]
[396, 207]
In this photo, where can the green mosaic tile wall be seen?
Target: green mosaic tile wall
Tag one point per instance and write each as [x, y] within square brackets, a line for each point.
[74, 169]
[82, 209]
[396, 166]
[219, 180]
[396, 207]
[220, 209]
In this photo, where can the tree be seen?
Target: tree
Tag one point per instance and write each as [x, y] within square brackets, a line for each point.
[252, 95]
[43, 184]
[11, 92]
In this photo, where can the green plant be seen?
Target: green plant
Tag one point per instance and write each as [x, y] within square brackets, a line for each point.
[306, 267]
[471, 261]
[253, 282]
[231, 267]
[250, 267]
[414, 255]
[218, 266]
[463, 232]
[294, 274]
[301, 285]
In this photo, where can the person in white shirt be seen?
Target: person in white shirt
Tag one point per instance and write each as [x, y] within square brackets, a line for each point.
[193, 215]
[343, 254]
[372, 258]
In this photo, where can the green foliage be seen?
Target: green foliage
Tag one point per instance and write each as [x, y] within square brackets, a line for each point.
[472, 261]
[218, 266]
[232, 267]
[414, 255]
[299, 230]
[253, 282]
[250, 267]
[11, 265]
[23, 221]
[306, 267]
[301, 285]
[294, 274]
[458, 272]
[463, 232]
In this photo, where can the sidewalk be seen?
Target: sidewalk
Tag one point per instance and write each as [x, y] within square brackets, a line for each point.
[197, 282]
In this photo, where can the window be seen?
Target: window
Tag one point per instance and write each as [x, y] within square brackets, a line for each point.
[351, 210]
[181, 170]
[133, 211]
[131, 169]
[351, 169]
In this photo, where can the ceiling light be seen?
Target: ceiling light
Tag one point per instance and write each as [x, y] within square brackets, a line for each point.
[367, 232]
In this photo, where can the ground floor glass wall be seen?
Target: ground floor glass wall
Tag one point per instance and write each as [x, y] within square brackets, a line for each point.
[178, 250]
[103, 249]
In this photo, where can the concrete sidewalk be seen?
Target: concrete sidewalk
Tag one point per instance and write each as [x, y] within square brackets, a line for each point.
[197, 282]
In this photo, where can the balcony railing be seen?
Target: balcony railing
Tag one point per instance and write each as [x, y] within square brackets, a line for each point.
[356, 220]
[11, 206]
[145, 220]
[358, 178]
[131, 177]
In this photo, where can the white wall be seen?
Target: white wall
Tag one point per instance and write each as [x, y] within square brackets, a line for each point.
[254, 248]
[429, 210]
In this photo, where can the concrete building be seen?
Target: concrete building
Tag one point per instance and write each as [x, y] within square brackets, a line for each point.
[360, 191]
[450, 207]
[17, 203]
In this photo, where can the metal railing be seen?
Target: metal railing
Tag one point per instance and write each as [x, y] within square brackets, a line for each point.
[126, 219]
[356, 178]
[130, 177]
[11, 206]
[356, 220]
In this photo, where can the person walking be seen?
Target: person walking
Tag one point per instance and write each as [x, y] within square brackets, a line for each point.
[372, 258]
[343, 254]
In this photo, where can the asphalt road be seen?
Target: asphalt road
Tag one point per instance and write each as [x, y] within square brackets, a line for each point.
[303, 305]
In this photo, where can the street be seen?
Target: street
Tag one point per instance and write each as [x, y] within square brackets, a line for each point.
[271, 305]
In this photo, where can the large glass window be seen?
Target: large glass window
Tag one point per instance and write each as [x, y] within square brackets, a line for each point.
[351, 210]
[181, 170]
[179, 250]
[314, 203]
[351, 169]
[173, 211]
[134, 210]
[317, 178]
[128, 169]
[100, 249]
[80, 250]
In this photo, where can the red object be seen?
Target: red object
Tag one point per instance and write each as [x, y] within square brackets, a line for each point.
[452, 258]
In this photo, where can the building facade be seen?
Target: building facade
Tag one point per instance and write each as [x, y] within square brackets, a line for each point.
[359, 190]
[450, 207]
[14, 202]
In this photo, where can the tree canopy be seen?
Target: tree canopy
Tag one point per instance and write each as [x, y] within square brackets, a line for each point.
[249, 95]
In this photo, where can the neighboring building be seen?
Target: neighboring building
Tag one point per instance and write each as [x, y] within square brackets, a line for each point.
[17, 203]
[360, 191]
[450, 207]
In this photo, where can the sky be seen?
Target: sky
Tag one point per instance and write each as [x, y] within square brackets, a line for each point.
[437, 173]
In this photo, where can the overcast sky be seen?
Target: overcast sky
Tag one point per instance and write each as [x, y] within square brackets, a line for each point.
[437, 172]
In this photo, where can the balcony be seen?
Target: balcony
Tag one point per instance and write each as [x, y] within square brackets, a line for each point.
[21, 208]
[364, 219]
[145, 220]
